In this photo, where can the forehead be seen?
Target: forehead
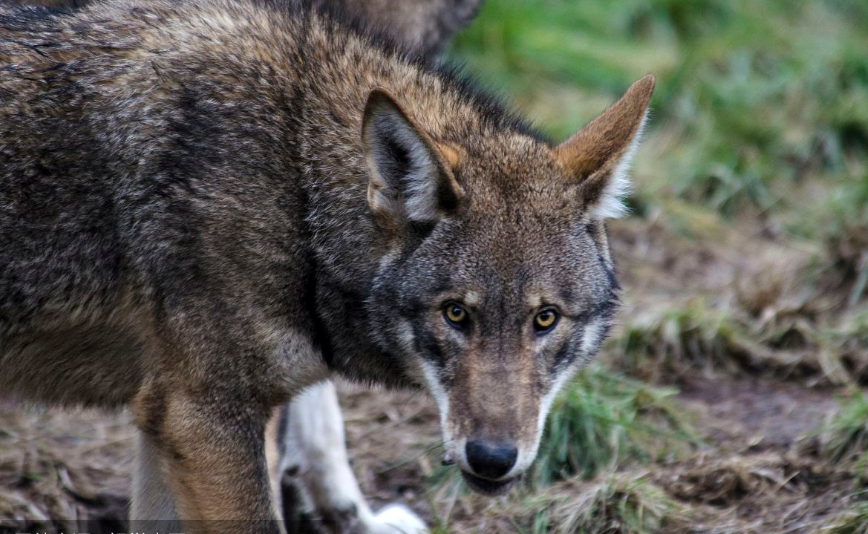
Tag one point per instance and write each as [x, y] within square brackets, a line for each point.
[522, 260]
[510, 172]
[519, 234]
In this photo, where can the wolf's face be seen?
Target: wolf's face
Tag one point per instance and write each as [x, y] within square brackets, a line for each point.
[499, 284]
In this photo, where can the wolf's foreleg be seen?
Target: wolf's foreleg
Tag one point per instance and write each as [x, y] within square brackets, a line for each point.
[314, 450]
[210, 449]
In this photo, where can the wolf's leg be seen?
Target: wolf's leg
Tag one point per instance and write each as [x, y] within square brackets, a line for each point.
[210, 444]
[314, 447]
[152, 508]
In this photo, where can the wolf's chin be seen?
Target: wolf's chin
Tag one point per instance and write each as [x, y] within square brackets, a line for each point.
[490, 488]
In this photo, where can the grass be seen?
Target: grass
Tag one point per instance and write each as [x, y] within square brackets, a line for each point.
[754, 96]
[674, 340]
[844, 437]
[700, 335]
[852, 521]
[604, 420]
[622, 503]
[768, 332]
[610, 502]
[843, 228]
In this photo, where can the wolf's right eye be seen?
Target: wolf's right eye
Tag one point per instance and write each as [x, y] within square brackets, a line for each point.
[456, 315]
[545, 321]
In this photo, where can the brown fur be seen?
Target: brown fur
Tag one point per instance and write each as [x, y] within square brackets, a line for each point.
[184, 228]
[592, 154]
[423, 26]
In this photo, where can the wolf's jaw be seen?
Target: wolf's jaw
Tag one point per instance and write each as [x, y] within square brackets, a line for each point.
[491, 488]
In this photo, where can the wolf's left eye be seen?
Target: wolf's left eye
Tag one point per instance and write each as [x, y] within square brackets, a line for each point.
[456, 315]
[545, 321]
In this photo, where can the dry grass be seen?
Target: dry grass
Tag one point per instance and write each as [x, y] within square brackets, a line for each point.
[759, 493]
[852, 521]
[60, 466]
[768, 309]
[623, 502]
[843, 436]
[615, 503]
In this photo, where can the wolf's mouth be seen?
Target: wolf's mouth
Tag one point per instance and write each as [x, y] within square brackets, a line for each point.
[491, 488]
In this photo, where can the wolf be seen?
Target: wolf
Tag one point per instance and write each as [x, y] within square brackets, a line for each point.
[208, 206]
[310, 461]
[423, 26]
[306, 439]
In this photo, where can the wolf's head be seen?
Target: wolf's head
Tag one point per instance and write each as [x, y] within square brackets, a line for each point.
[499, 284]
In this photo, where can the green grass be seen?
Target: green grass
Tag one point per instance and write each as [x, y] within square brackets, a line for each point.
[609, 503]
[754, 97]
[854, 520]
[603, 420]
[844, 437]
[842, 225]
[680, 339]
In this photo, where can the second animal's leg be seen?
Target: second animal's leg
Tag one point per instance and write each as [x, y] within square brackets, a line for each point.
[152, 507]
[314, 453]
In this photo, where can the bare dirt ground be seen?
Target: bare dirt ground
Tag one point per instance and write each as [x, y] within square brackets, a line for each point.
[749, 477]
[753, 471]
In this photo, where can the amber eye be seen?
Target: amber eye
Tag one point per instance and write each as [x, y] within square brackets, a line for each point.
[545, 321]
[455, 314]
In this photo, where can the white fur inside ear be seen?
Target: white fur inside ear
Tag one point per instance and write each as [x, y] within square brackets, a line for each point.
[611, 202]
[420, 184]
[409, 177]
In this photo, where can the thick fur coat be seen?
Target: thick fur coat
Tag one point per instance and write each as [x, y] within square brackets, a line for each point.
[206, 206]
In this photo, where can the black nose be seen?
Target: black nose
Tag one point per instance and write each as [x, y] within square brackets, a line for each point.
[491, 459]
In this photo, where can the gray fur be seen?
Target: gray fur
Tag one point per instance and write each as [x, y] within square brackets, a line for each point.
[186, 227]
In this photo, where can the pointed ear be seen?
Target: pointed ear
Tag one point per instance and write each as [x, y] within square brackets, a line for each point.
[410, 177]
[598, 156]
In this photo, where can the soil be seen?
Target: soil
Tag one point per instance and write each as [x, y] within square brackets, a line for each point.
[76, 464]
[755, 414]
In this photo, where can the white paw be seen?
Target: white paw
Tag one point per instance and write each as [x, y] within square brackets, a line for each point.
[396, 519]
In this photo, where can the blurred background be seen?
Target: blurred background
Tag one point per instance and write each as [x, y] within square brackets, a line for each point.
[730, 397]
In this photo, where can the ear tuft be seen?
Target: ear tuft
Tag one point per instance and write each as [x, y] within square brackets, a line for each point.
[610, 204]
[410, 178]
[599, 155]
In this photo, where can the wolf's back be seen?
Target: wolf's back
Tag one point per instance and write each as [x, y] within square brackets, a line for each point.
[114, 119]
[111, 121]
